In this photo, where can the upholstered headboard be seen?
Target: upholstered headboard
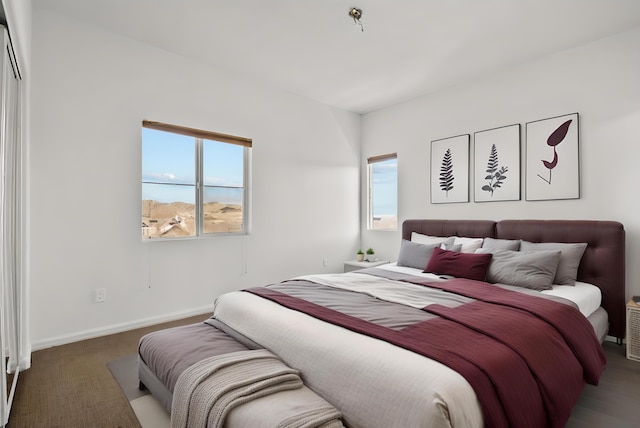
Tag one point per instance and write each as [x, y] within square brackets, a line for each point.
[603, 262]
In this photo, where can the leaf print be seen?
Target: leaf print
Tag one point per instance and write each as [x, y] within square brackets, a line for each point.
[553, 163]
[446, 173]
[495, 173]
[558, 135]
[555, 138]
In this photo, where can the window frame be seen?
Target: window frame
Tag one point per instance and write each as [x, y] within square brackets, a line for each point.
[199, 137]
[370, 193]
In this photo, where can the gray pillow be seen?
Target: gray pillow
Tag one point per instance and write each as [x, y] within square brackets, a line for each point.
[501, 244]
[534, 270]
[415, 255]
[570, 256]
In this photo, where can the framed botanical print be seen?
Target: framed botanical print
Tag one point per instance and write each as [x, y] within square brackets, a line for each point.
[497, 164]
[553, 167]
[450, 170]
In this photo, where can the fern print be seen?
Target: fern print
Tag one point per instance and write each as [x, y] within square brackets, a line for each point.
[495, 173]
[446, 173]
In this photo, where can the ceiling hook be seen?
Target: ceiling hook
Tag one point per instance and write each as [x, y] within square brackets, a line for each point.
[356, 14]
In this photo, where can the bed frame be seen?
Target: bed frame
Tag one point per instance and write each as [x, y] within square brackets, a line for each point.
[603, 262]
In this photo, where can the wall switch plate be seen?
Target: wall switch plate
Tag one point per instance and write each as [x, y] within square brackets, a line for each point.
[100, 295]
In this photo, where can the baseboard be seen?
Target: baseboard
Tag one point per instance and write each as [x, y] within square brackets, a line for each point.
[118, 328]
[613, 340]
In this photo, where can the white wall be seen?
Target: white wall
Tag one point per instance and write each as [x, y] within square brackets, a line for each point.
[91, 90]
[600, 81]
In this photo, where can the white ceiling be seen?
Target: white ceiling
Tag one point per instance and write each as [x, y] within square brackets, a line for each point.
[313, 48]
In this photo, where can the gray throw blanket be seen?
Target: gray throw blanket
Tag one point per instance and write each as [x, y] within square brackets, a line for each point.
[298, 408]
[207, 391]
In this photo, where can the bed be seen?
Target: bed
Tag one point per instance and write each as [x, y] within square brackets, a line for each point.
[393, 346]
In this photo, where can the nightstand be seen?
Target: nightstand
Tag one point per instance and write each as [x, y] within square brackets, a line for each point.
[633, 331]
[352, 265]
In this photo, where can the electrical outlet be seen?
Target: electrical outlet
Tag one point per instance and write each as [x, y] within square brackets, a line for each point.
[325, 262]
[100, 295]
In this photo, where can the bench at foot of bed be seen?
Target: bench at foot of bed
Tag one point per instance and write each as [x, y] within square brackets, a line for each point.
[167, 354]
[163, 355]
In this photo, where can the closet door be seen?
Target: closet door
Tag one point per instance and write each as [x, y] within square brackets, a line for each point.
[11, 227]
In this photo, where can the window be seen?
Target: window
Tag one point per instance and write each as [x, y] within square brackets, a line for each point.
[194, 183]
[383, 192]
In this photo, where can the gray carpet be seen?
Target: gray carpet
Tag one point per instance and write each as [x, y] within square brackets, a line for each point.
[148, 410]
[125, 372]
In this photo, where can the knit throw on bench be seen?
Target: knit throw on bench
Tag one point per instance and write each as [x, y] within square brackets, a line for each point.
[209, 390]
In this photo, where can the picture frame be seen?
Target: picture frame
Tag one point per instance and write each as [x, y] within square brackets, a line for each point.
[450, 170]
[553, 158]
[497, 164]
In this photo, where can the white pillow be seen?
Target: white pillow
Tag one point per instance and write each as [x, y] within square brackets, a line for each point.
[469, 245]
[430, 240]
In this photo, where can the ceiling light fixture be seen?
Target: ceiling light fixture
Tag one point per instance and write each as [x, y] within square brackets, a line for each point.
[356, 14]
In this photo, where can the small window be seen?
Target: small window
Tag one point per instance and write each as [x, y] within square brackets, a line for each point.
[194, 182]
[383, 192]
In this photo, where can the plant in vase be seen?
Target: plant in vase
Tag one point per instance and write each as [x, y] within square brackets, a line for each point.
[370, 255]
[360, 255]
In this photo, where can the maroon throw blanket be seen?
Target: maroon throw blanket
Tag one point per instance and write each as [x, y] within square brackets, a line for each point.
[519, 365]
[569, 322]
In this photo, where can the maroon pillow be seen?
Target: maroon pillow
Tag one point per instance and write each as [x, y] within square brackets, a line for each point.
[460, 265]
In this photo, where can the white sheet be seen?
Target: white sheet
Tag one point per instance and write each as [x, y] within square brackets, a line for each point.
[588, 297]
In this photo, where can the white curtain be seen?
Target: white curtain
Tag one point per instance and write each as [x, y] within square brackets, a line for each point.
[15, 347]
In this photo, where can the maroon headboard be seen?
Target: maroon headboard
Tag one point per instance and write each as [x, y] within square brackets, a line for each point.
[603, 263]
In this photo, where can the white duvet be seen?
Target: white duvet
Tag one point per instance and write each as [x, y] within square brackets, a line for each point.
[373, 383]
